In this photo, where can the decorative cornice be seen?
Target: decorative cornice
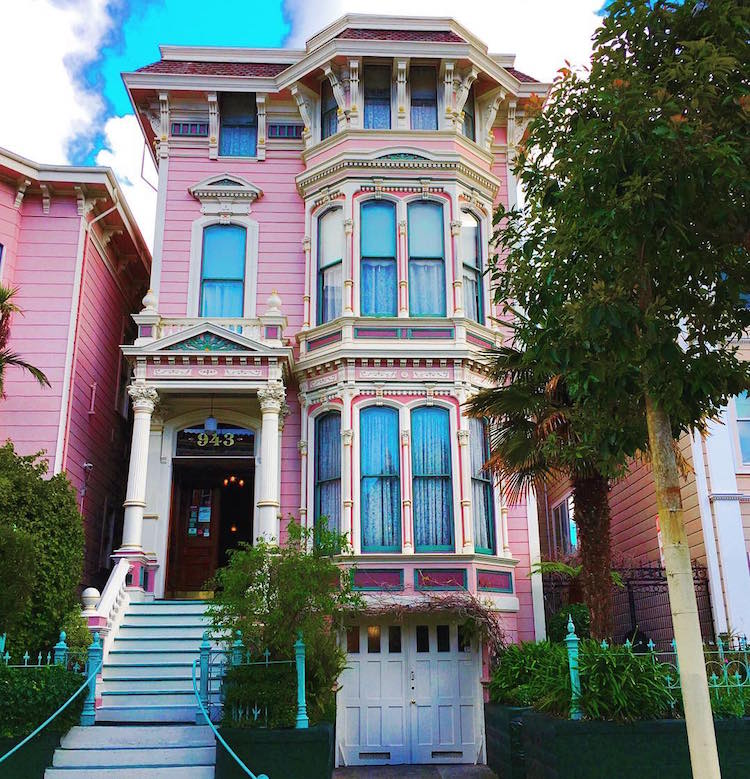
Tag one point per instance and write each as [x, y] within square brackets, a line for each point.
[225, 186]
[271, 398]
[143, 396]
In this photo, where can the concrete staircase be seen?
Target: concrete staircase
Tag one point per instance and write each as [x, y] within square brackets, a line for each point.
[147, 674]
[145, 726]
[135, 752]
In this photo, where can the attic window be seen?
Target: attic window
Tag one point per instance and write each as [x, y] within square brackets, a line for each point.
[238, 124]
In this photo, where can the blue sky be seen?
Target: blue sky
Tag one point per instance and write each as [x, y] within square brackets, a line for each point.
[64, 102]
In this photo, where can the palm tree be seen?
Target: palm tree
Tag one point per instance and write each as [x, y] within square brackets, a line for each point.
[536, 437]
[7, 356]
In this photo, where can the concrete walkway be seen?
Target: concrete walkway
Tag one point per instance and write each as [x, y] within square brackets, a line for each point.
[416, 772]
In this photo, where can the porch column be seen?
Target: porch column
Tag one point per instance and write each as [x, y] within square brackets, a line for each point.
[464, 454]
[144, 399]
[271, 398]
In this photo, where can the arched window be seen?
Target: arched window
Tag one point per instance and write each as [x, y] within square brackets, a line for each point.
[328, 469]
[426, 259]
[432, 485]
[482, 500]
[380, 486]
[378, 280]
[223, 271]
[471, 255]
[330, 262]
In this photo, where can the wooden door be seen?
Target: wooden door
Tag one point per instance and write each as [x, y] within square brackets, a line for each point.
[195, 536]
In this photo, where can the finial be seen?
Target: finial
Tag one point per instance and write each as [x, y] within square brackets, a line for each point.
[274, 303]
[149, 301]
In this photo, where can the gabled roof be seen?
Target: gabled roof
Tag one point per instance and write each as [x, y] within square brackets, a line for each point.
[367, 34]
[200, 68]
[206, 337]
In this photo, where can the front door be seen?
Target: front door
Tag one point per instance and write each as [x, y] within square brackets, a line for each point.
[409, 694]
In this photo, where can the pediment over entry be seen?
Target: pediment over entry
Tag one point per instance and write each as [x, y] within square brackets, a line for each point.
[225, 186]
[208, 337]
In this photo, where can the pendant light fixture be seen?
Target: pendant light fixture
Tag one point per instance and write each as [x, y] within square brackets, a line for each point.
[211, 424]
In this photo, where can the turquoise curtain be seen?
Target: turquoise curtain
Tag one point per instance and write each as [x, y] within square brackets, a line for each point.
[426, 259]
[482, 501]
[378, 282]
[431, 479]
[223, 271]
[328, 469]
[380, 498]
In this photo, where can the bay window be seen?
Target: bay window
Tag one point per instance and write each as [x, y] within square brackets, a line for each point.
[426, 259]
[329, 121]
[469, 116]
[222, 286]
[431, 479]
[377, 87]
[330, 264]
[238, 124]
[742, 407]
[378, 282]
[380, 488]
[482, 499]
[423, 84]
[471, 257]
[328, 470]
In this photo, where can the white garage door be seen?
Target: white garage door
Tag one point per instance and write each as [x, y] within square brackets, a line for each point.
[410, 694]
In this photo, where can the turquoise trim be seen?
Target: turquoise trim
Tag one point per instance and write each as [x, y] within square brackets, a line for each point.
[447, 587]
[507, 591]
[375, 549]
[443, 548]
[375, 588]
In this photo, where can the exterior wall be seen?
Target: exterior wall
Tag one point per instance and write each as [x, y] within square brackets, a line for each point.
[280, 214]
[44, 272]
[97, 431]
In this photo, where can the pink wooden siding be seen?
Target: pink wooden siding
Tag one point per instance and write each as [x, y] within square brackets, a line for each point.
[99, 438]
[290, 461]
[279, 212]
[44, 273]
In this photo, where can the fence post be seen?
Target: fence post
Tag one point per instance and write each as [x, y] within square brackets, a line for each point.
[571, 641]
[61, 650]
[237, 649]
[299, 656]
[205, 663]
[88, 715]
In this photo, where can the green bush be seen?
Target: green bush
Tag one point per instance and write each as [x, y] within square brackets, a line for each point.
[557, 627]
[271, 592]
[29, 696]
[16, 575]
[77, 633]
[47, 511]
[271, 691]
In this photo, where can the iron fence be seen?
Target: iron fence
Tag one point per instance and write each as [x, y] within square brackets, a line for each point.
[641, 607]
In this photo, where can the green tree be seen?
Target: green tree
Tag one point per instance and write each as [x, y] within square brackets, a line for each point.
[45, 511]
[629, 256]
[270, 592]
[7, 356]
[537, 436]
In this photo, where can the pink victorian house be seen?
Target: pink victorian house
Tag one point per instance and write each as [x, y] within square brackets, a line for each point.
[70, 245]
[316, 318]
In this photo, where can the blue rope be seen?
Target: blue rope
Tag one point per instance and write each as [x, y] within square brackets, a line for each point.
[49, 719]
[216, 732]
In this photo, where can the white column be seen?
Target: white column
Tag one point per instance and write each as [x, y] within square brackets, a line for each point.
[535, 556]
[271, 399]
[722, 471]
[467, 520]
[144, 398]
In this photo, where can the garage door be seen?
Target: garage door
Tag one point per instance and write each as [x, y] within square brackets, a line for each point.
[410, 694]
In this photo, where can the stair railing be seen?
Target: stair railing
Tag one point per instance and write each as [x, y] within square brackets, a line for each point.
[218, 735]
[94, 662]
[106, 614]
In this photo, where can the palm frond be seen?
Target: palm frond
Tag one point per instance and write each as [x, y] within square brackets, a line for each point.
[8, 357]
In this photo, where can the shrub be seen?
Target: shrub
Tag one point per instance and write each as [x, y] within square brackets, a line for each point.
[557, 628]
[16, 575]
[260, 696]
[271, 592]
[47, 511]
[29, 696]
[77, 633]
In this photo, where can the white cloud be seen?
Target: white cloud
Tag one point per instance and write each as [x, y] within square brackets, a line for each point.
[47, 106]
[124, 152]
[542, 33]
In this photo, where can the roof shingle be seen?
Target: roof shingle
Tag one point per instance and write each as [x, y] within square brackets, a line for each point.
[185, 67]
[437, 36]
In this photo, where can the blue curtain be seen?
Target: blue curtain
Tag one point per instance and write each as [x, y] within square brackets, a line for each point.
[380, 499]
[377, 83]
[472, 292]
[223, 271]
[426, 263]
[482, 503]
[423, 87]
[431, 479]
[328, 469]
[378, 282]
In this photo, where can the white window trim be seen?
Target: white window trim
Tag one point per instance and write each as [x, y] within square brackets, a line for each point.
[484, 223]
[315, 262]
[196, 262]
[732, 415]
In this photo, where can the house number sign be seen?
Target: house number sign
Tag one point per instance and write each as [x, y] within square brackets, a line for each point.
[225, 441]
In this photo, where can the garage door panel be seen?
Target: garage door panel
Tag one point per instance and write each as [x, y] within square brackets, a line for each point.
[447, 674]
[350, 681]
[352, 728]
[446, 725]
[424, 734]
[467, 679]
[374, 736]
[394, 730]
[372, 688]
[393, 679]
[468, 735]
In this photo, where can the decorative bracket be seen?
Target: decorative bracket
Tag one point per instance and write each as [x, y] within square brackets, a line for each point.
[339, 94]
[213, 125]
[20, 192]
[402, 67]
[462, 93]
[489, 112]
[46, 197]
[305, 105]
[260, 103]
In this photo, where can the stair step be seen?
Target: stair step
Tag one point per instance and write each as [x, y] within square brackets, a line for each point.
[128, 683]
[146, 713]
[132, 667]
[149, 620]
[168, 772]
[185, 656]
[149, 697]
[140, 736]
[115, 757]
[167, 607]
[156, 643]
[193, 630]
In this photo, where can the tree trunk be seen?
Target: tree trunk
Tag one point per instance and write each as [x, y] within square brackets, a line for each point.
[704, 757]
[590, 496]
